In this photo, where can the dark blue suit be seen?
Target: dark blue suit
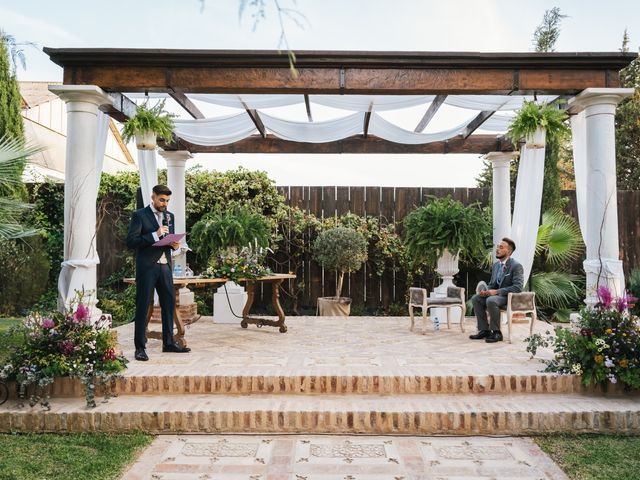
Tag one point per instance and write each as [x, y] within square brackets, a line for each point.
[150, 274]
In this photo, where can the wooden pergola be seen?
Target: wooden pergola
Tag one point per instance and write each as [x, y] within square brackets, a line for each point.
[180, 72]
[100, 79]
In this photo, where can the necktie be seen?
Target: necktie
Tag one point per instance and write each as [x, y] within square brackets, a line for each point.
[501, 272]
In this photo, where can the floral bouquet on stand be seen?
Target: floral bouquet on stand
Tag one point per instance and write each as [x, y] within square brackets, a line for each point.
[234, 264]
[63, 345]
[603, 347]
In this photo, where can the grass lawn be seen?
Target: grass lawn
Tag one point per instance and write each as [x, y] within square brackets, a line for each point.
[7, 323]
[585, 457]
[74, 456]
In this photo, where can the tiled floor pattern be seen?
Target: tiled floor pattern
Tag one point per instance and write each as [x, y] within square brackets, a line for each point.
[308, 457]
[336, 345]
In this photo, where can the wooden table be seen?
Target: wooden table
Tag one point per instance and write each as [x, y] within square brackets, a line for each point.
[250, 284]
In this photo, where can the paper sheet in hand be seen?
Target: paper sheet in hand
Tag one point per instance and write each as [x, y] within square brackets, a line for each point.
[168, 239]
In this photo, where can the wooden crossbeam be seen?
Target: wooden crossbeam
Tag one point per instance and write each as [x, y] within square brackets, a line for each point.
[187, 104]
[431, 111]
[307, 104]
[367, 119]
[478, 144]
[476, 122]
[122, 109]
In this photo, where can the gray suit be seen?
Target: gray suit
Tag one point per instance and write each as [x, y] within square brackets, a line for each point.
[511, 281]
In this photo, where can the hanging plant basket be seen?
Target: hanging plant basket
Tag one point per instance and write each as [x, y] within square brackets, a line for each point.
[146, 140]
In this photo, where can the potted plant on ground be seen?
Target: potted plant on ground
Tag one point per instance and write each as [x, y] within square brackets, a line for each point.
[342, 250]
[147, 125]
[535, 121]
[442, 231]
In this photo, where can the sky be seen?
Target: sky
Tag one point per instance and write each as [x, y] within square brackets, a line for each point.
[405, 25]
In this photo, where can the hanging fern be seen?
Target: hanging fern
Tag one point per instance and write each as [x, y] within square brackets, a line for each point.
[532, 116]
[153, 119]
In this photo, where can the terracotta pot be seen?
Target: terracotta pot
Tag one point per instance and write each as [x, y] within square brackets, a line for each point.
[334, 307]
[146, 141]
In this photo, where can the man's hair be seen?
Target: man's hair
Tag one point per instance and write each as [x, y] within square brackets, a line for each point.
[161, 190]
[511, 243]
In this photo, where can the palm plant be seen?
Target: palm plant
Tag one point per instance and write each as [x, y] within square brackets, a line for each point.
[558, 244]
[13, 155]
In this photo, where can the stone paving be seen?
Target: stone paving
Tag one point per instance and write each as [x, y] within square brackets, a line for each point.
[312, 457]
[336, 345]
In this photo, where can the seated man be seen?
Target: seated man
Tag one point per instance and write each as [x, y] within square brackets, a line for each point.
[507, 275]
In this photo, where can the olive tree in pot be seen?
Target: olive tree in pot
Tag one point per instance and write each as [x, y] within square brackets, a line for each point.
[443, 231]
[342, 250]
[148, 124]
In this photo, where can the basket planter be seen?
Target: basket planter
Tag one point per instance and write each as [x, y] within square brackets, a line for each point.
[146, 141]
[334, 307]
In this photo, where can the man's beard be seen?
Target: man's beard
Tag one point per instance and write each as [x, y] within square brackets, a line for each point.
[500, 256]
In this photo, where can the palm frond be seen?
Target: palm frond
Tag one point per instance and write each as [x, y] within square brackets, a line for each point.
[555, 290]
[13, 153]
[559, 238]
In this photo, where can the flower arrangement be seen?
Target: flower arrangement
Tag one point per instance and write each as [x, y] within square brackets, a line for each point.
[234, 264]
[604, 345]
[58, 345]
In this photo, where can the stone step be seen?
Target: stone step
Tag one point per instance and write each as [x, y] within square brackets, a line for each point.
[524, 414]
[310, 384]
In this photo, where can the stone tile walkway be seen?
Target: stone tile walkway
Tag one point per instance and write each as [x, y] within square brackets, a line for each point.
[312, 457]
[335, 345]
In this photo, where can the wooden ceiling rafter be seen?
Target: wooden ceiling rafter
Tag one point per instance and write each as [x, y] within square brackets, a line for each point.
[429, 114]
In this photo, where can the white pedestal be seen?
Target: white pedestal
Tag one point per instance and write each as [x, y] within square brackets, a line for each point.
[237, 298]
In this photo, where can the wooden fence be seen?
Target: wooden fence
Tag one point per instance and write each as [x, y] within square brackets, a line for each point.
[388, 204]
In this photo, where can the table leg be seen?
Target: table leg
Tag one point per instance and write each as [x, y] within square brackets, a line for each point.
[250, 286]
[275, 297]
[177, 320]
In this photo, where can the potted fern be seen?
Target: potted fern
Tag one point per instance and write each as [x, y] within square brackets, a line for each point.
[535, 121]
[147, 125]
[342, 250]
[442, 231]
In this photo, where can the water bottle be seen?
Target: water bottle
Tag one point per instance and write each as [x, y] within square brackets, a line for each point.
[188, 272]
[177, 270]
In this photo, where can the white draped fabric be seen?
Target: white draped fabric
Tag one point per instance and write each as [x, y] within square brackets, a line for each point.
[316, 132]
[493, 102]
[71, 277]
[148, 166]
[216, 131]
[526, 209]
[366, 103]
[249, 100]
[382, 128]
[579, 140]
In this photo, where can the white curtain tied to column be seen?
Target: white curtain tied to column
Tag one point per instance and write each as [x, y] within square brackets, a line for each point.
[526, 209]
[579, 141]
[70, 279]
[148, 166]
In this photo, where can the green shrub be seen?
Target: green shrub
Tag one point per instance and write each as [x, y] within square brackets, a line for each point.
[634, 290]
[24, 274]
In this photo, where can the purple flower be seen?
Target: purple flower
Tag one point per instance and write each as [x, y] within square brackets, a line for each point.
[608, 363]
[48, 323]
[625, 301]
[585, 332]
[612, 378]
[81, 314]
[605, 296]
[67, 347]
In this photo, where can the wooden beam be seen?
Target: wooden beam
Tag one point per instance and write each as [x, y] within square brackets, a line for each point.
[308, 105]
[367, 119]
[255, 118]
[187, 104]
[475, 144]
[476, 122]
[122, 109]
[431, 111]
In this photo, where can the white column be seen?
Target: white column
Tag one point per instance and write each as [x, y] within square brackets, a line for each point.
[501, 163]
[602, 265]
[176, 162]
[80, 254]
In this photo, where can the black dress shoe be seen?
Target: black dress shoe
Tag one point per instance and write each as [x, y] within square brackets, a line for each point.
[480, 335]
[175, 348]
[141, 355]
[494, 336]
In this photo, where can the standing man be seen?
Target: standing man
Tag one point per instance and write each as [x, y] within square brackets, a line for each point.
[153, 269]
[507, 276]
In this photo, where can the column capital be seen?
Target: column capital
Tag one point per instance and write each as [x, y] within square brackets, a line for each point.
[598, 96]
[501, 159]
[175, 155]
[81, 93]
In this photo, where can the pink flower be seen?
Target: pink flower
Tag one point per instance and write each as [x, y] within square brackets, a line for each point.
[81, 314]
[625, 301]
[605, 296]
[67, 347]
[48, 323]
